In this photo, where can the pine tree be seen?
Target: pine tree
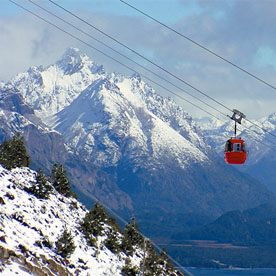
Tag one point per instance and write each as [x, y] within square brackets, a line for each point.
[14, 154]
[152, 264]
[114, 224]
[112, 242]
[40, 188]
[60, 180]
[92, 225]
[166, 261]
[65, 245]
[5, 155]
[132, 237]
[129, 269]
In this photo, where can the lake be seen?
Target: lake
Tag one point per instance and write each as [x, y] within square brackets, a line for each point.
[232, 272]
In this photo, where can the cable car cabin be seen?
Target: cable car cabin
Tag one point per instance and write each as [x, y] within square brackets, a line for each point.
[235, 151]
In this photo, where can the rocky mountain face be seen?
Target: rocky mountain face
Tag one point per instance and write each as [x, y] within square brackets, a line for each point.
[137, 152]
[32, 239]
[261, 159]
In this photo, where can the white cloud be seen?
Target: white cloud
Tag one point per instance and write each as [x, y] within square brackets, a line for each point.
[24, 42]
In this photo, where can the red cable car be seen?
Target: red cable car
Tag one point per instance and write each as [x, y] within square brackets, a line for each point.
[235, 148]
[235, 151]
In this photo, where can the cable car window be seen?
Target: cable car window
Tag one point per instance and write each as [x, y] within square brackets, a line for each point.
[244, 147]
[227, 146]
[236, 147]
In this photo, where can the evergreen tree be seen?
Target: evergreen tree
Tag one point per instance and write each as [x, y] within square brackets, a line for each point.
[114, 224]
[14, 154]
[166, 261]
[152, 264]
[92, 225]
[5, 155]
[129, 269]
[65, 245]
[132, 237]
[60, 180]
[40, 188]
[112, 242]
[155, 264]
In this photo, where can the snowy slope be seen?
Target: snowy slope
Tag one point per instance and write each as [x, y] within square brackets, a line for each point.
[26, 222]
[46, 146]
[112, 113]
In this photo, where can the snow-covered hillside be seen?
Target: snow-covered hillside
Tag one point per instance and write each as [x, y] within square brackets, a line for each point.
[30, 228]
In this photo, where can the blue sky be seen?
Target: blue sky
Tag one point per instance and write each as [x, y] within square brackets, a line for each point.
[171, 12]
[243, 31]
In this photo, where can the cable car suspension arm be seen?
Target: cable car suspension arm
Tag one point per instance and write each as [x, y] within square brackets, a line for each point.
[237, 117]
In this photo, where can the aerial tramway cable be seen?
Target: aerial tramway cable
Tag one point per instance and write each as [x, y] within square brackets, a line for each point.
[87, 34]
[140, 65]
[206, 49]
[131, 69]
[200, 45]
[153, 63]
[126, 57]
[70, 24]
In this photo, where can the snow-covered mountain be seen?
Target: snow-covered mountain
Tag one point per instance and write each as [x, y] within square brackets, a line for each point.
[152, 156]
[31, 227]
[261, 158]
[98, 103]
[50, 89]
[119, 112]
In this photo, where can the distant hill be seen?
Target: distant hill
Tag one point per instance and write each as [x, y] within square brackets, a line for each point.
[255, 226]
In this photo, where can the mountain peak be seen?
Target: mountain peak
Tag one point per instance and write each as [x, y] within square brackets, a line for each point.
[72, 51]
[272, 117]
[2, 84]
[136, 76]
[73, 61]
